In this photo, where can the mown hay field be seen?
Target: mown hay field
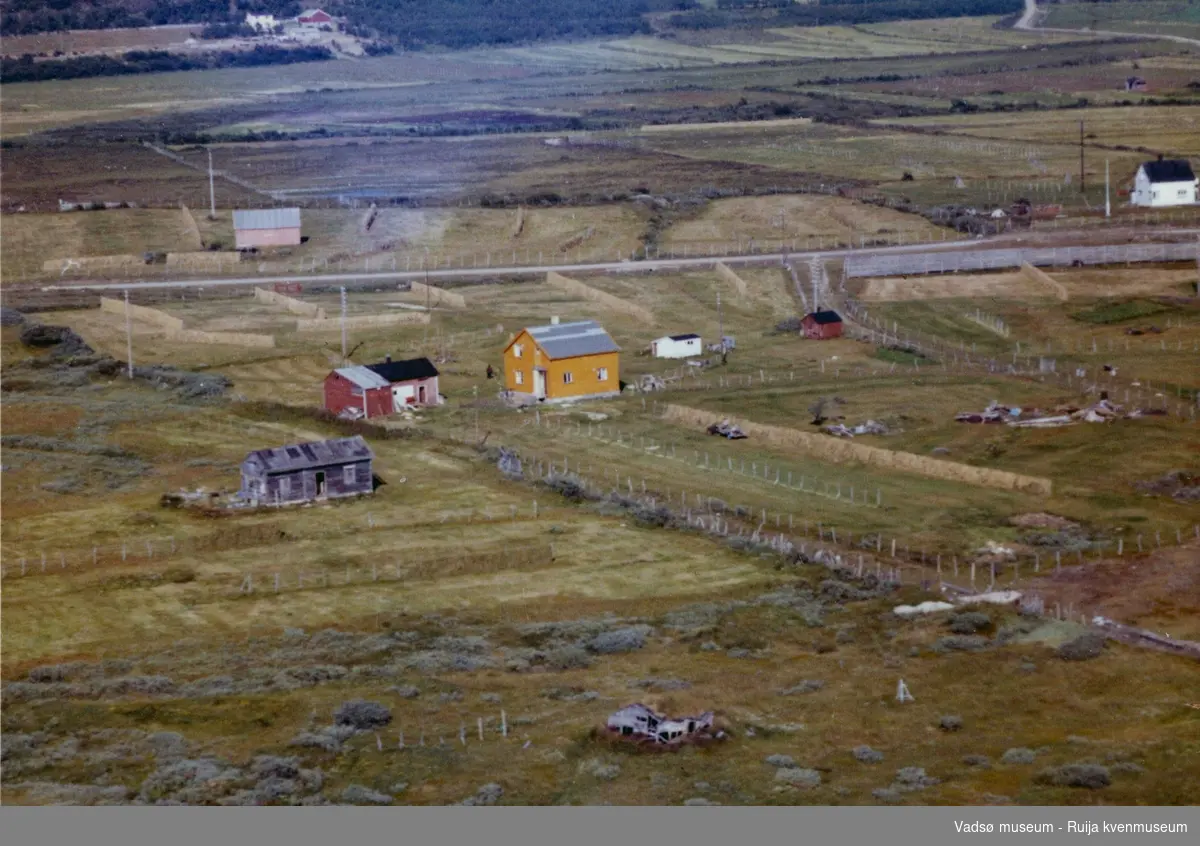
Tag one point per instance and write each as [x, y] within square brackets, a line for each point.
[888, 155]
[787, 217]
[1171, 129]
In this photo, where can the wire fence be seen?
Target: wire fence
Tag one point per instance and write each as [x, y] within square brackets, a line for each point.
[958, 261]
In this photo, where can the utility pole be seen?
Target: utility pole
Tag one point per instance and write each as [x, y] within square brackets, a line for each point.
[720, 322]
[1082, 183]
[344, 324]
[128, 335]
[212, 195]
[1107, 198]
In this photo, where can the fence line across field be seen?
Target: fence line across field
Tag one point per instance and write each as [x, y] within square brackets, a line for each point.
[957, 261]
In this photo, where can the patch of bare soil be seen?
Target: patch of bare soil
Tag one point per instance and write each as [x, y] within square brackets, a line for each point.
[1159, 591]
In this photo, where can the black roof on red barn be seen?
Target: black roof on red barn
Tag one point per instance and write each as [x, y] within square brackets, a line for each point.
[405, 371]
[825, 317]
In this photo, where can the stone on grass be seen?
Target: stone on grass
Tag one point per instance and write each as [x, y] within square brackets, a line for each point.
[950, 722]
[488, 794]
[961, 643]
[806, 686]
[867, 755]
[780, 760]
[1088, 776]
[1018, 755]
[969, 622]
[913, 778]
[981, 761]
[362, 715]
[357, 794]
[1083, 648]
[616, 641]
[798, 776]
[886, 794]
[699, 801]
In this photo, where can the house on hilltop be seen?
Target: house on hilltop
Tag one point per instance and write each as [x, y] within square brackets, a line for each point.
[1165, 182]
[308, 471]
[562, 361]
[363, 391]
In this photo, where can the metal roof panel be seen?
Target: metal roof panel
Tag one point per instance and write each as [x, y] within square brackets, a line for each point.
[266, 219]
[362, 376]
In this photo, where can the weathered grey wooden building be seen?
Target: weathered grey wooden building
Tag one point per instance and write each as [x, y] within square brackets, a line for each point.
[308, 471]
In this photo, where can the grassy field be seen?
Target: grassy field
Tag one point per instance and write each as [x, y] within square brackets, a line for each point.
[1171, 129]
[1149, 17]
[461, 563]
[793, 217]
[463, 599]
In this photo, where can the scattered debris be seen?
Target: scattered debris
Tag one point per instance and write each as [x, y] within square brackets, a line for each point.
[727, 430]
[871, 427]
[997, 597]
[923, 608]
[1143, 330]
[994, 413]
[637, 723]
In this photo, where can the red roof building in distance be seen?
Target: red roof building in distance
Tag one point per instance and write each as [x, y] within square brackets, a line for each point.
[315, 16]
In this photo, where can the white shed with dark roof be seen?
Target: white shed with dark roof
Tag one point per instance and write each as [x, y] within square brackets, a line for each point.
[254, 228]
[677, 346]
[308, 471]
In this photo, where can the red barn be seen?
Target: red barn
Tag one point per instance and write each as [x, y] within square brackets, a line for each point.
[822, 325]
[377, 390]
[315, 17]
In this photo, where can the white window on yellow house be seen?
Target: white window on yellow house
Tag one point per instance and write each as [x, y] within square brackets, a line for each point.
[520, 377]
[568, 378]
[602, 374]
[517, 350]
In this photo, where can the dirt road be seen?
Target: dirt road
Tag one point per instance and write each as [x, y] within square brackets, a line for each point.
[1031, 14]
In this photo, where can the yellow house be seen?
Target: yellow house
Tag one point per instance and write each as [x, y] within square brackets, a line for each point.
[562, 361]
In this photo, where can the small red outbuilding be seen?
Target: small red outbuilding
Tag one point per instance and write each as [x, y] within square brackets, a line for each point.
[377, 390]
[822, 325]
[315, 16]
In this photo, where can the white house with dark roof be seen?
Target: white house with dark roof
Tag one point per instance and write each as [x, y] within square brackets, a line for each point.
[1165, 182]
[677, 346]
[253, 228]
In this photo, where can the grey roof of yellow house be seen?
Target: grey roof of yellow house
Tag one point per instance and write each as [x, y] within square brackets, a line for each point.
[288, 459]
[568, 340]
[266, 219]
